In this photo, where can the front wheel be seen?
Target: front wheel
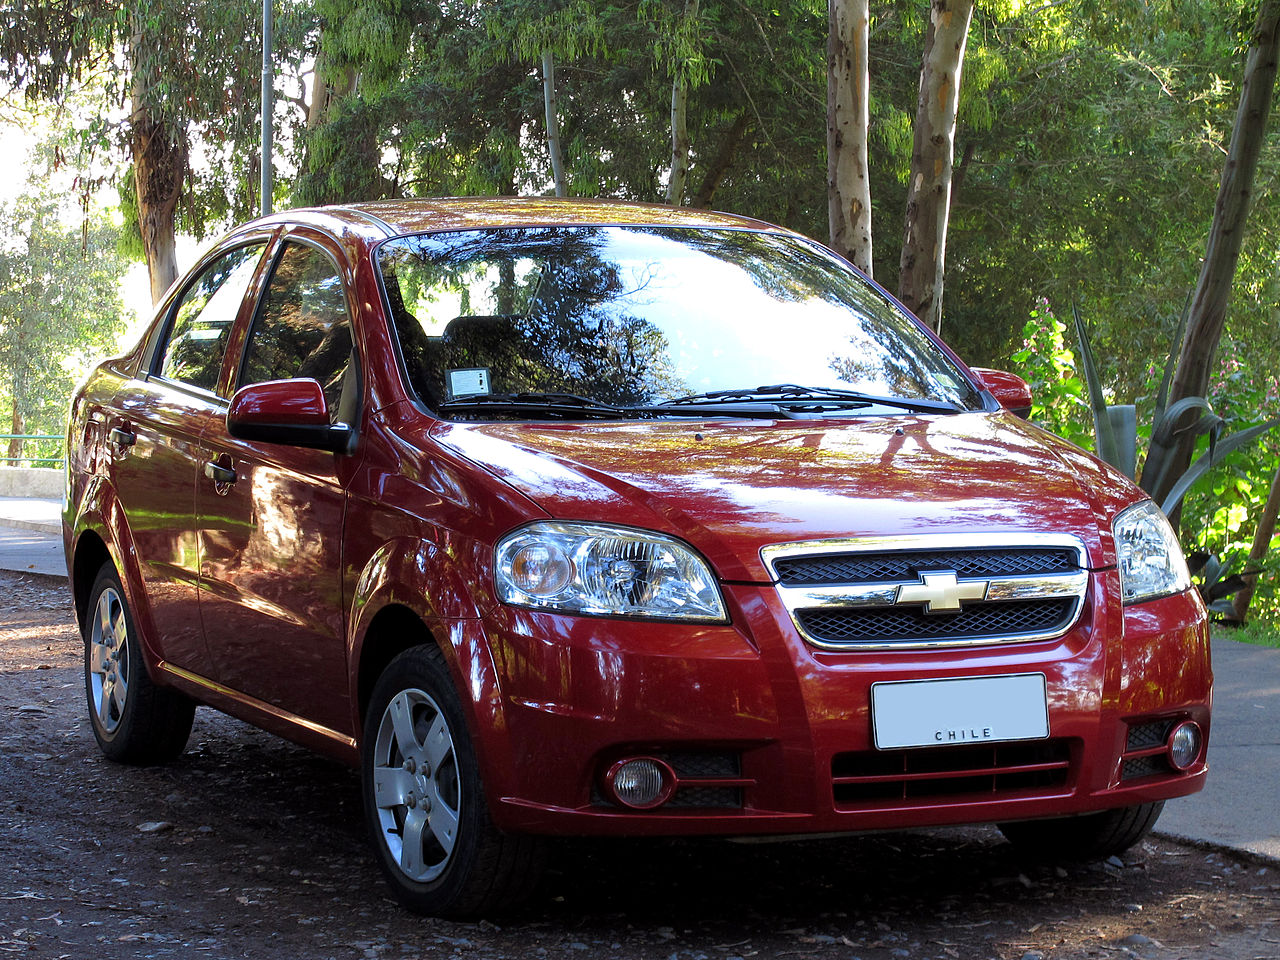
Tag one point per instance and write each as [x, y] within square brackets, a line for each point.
[1089, 837]
[134, 720]
[424, 801]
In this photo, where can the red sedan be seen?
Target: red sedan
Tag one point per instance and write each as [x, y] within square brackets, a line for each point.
[564, 518]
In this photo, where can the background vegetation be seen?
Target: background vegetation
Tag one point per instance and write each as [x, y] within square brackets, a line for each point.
[1090, 141]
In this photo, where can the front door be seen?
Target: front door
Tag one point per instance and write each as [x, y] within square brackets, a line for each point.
[270, 516]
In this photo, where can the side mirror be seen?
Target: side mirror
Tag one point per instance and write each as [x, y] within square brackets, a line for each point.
[289, 412]
[1009, 389]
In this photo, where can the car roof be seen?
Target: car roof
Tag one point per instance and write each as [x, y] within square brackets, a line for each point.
[380, 219]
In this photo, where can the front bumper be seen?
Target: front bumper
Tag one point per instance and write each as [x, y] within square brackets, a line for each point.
[771, 735]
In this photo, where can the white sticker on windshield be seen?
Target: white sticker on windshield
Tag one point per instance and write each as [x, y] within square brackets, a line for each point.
[468, 382]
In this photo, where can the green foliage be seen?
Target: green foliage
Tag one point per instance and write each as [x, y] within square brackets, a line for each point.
[1047, 363]
[1221, 510]
[465, 113]
[1224, 488]
[192, 68]
[1258, 632]
[59, 304]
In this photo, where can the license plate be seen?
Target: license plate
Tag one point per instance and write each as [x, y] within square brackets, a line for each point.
[968, 710]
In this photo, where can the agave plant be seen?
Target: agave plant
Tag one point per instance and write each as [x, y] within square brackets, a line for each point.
[1218, 582]
[1116, 428]
[1116, 431]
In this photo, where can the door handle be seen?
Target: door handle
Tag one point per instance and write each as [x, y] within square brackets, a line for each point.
[123, 437]
[218, 473]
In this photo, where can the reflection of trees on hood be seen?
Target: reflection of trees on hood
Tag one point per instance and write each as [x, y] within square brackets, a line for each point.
[561, 325]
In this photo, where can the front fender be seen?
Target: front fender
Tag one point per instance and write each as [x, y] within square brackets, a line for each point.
[417, 576]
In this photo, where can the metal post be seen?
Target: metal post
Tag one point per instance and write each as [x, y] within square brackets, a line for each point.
[267, 107]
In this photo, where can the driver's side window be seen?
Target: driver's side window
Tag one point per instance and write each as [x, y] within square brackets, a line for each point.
[303, 328]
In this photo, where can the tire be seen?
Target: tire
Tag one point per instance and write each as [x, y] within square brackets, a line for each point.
[134, 720]
[424, 802]
[1090, 837]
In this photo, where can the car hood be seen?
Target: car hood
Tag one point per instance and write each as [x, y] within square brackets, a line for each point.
[732, 487]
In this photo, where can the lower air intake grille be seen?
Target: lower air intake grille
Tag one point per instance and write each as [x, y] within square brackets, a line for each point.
[994, 771]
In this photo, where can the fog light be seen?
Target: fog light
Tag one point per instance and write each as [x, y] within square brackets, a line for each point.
[641, 783]
[1185, 742]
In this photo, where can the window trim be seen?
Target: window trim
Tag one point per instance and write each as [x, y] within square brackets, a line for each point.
[155, 352]
[268, 269]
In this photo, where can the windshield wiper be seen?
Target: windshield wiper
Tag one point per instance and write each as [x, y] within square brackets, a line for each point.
[793, 394]
[553, 403]
[571, 405]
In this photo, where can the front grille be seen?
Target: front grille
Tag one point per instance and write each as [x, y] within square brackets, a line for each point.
[931, 591]
[907, 565]
[893, 624]
[994, 771]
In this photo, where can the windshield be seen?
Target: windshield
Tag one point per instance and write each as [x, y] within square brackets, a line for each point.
[591, 321]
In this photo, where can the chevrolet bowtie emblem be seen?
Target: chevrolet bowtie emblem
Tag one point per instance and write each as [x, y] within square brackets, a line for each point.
[941, 592]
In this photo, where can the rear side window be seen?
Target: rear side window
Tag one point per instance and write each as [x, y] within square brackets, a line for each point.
[303, 328]
[203, 319]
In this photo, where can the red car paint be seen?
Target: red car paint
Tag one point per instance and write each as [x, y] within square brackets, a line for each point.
[272, 596]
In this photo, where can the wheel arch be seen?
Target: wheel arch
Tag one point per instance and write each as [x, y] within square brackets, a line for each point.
[412, 593]
[90, 554]
[392, 630]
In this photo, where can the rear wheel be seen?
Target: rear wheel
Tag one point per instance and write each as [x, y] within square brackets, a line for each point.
[1090, 837]
[134, 720]
[424, 801]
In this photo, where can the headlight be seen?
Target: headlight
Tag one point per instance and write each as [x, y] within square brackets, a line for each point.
[1151, 562]
[606, 571]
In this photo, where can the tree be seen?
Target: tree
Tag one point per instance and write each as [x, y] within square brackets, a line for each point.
[848, 114]
[59, 303]
[1217, 274]
[924, 240]
[190, 74]
[462, 109]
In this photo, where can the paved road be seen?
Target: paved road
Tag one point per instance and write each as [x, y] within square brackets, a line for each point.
[30, 536]
[1240, 807]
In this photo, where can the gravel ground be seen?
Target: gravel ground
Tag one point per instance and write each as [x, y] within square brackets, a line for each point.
[251, 847]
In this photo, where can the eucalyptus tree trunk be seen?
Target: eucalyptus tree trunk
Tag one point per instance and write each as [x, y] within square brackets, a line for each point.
[924, 241]
[679, 140]
[1235, 192]
[848, 111]
[1262, 537]
[327, 92]
[713, 173]
[159, 152]
[679, 122]
[15, 427]
[553, 121]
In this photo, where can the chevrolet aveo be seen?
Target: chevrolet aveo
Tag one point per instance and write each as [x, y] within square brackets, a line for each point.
[577, 518]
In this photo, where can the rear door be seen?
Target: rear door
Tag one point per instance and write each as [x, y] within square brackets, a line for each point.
[154, 436]
[270, 539]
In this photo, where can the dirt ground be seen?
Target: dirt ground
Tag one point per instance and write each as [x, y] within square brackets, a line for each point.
[251, 847]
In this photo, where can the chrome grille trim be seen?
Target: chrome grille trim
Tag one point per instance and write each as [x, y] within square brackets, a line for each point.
[866, 597]
[884, 595]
